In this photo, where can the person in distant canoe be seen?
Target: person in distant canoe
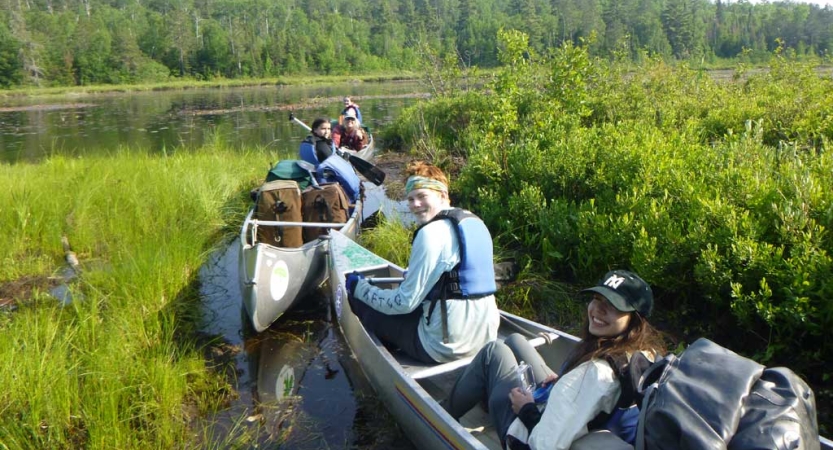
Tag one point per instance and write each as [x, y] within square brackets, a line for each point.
[445, 308]
[349, 105]
[351, 134]
[318, 145]
[582, 410]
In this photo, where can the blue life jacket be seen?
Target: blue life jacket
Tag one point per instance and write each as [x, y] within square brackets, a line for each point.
[474, 276]
[624, 418]
[336, 168]
[307, 151]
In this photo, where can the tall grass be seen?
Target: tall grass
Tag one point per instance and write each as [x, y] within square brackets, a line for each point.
[389, 239]
[117, 367]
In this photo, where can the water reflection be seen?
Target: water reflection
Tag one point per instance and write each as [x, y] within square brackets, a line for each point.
[303, 394]
[297, 379]
[244, 117]
[377, 200]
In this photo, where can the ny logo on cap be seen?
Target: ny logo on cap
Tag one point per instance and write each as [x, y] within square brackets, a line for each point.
[614, 281]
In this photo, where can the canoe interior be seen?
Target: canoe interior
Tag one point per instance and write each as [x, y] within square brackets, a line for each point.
[367, 153]
[434, 381]
[476, 421]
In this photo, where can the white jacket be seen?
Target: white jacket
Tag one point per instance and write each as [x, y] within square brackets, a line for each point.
[577, 398]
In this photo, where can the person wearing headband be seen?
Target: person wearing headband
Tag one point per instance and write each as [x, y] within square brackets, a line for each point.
[445, 308]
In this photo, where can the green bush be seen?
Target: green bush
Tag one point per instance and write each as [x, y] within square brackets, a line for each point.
[719, 193]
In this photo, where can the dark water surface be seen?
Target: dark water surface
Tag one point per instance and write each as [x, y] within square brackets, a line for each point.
[33, 127]
[297, 378]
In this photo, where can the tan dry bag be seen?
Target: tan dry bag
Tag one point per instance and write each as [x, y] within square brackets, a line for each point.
[328, 204]
[279, 200]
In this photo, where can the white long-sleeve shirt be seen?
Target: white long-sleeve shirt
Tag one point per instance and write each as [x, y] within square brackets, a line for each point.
[578, 397]
[471, 324]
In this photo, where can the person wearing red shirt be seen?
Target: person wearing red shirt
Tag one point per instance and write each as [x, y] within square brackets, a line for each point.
[352, 135]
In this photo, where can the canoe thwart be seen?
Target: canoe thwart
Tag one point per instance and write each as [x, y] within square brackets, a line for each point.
[419, 370]
[273, 223]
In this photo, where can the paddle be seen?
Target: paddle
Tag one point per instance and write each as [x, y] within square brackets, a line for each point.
[373, 174]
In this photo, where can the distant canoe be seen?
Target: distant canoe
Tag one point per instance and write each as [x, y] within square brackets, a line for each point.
[366, 153]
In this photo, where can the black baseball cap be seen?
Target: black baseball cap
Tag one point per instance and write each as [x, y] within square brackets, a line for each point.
[625, 291]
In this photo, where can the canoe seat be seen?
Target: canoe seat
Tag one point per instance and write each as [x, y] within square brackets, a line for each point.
[419, 370]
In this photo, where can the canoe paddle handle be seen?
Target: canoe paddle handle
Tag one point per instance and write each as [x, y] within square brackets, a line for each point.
[292, 118]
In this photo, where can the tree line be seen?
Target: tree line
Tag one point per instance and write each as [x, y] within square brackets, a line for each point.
[83, 42]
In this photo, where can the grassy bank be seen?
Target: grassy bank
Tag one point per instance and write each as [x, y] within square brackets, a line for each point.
[119, 367]
[185, 84]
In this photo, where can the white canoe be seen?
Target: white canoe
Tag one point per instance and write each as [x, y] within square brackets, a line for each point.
[366, 153]
[273, 278]
[411, 390]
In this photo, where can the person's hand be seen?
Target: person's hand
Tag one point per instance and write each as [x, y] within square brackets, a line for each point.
[351, 281]
[551, 378]
[518, 397]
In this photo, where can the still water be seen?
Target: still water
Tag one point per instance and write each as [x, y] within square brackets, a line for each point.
[297, 379]
[31, 128]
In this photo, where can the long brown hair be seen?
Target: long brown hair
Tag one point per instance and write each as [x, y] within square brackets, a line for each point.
[639, 336]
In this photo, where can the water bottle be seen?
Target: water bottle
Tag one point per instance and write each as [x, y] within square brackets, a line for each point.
[525, 376]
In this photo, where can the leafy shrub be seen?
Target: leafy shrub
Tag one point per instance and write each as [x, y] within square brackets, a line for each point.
[718, 193]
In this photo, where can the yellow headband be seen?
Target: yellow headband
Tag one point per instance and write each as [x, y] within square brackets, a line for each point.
[418, 182]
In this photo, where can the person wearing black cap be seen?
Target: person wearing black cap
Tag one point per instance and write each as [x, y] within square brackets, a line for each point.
[585, 395]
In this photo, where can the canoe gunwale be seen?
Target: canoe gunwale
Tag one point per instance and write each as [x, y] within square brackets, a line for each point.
[307, 261]
[425, 422]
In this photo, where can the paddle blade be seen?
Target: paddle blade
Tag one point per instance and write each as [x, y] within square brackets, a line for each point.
[373, 174]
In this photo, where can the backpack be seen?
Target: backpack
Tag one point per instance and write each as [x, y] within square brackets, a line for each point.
[288, 170]
[337, 169]
[710, 397]
[279, 200]
[328, 204]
